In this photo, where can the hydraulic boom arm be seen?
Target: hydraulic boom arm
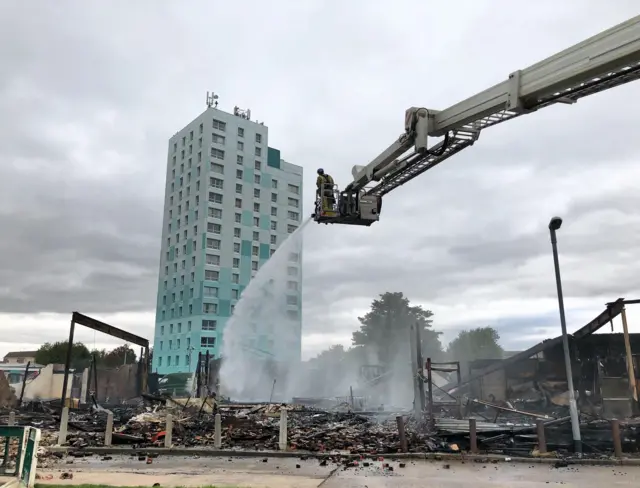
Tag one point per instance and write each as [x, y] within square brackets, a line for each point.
[604, 61]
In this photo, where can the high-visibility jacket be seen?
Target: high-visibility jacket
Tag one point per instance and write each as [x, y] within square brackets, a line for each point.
[324, 182]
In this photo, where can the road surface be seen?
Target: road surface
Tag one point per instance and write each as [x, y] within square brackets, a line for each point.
[284, 473]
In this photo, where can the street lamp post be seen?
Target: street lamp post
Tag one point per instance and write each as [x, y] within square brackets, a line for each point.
[554, 225]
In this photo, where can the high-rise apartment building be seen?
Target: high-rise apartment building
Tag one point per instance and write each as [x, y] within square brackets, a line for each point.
[230, 201]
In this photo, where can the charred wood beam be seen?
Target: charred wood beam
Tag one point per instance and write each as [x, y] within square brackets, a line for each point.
[94, 324]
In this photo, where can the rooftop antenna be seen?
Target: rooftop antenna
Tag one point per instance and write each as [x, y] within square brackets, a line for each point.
[212, 100]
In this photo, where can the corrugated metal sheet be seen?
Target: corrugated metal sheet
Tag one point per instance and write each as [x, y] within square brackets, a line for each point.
[455, 426]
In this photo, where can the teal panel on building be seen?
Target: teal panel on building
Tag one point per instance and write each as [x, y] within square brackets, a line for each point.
[265, 222]
[224, 308]
[245, 249]
[265, 182]
[245, 268]
[248, 174]
[172, 253]
[264, 251]
[189, 247]
[224, 292]
[273, 158]
[247, 218]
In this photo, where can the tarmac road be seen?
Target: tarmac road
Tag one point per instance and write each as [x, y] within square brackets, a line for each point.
[172, 471]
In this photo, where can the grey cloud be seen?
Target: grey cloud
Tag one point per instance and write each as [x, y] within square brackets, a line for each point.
[89, 96]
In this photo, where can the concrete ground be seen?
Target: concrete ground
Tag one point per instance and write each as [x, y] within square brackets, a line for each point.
[283, 473]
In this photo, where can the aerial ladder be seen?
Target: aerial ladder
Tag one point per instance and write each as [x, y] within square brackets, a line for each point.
[604, 61]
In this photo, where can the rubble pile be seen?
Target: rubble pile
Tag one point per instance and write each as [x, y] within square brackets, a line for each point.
[257, 427]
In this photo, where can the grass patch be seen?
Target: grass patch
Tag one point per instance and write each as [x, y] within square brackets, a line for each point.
[43, 485]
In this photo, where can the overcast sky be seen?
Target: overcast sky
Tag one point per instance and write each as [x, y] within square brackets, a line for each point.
[89, 97]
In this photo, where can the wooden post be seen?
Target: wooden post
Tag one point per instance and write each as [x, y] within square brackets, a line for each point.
[627, 346]
[282, 444]
[617, 443]
[217, 434]
[473, 437]
[64, 421]
[542, 440]
[108, 433]
[401, 434]
[168, 441]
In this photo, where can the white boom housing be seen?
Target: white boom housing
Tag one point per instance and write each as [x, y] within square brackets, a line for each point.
[604, 61]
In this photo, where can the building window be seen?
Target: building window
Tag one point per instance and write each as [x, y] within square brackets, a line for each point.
[219, 125]
[257, 165]
[273, 239]
[239, 174]
[215, 213]
[254, 250]
[239, 159]
[291, 228]
[215, 197]
[213, 259]
[207, 342]
[211, 275]
[256, 236]
[292, 300]
[292, 314]
[217, 153]
[294, 257]
[274, 184]
[216, 183]
[240, 132]
[274, 197]
[256, 207]
[235, 294]
[236, 247]
[236, 261]
[240, 146]
[256, 179]
[239, 190]
[294, 189]
[293, 202]
[254, 265]
[292, 285]
[217, 168]
[210, 291]
[209, 324]
[162, 330]
[274, 211]
[238, 218]
[201, 128]
[215, 228]
[238, 202]
[256, 193]
[258, 151]
[258, 138]
[171, 330]
[217, 139]
[213, 243]
[293, 215]
[168, 360]
[292, 271]
[178, 344]
[235, 278]
[177, 360]
[210, 308]
[256, 221]
[236, 232]
[274, 225]
[161, 344]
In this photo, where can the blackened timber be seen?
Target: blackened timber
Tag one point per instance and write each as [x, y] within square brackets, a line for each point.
[612, 311]
[94, 324]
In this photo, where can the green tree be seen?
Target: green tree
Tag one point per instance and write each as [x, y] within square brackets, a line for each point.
[480, 343]
[56, 353]
[119, 356]
[387, 328]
